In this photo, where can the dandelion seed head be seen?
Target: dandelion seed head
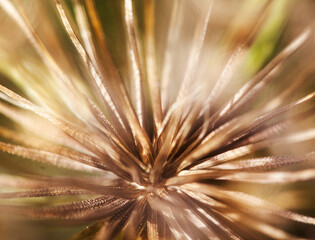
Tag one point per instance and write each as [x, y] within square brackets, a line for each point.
[157, 119]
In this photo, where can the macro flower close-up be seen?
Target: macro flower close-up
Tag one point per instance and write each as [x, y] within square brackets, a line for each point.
[157, 119]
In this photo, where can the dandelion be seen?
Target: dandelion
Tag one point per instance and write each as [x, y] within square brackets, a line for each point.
[163, 124]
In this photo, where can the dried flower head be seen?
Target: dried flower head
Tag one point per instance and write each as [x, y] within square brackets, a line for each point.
[157, 119]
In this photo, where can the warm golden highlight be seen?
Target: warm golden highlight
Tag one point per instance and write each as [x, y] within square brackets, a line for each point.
[157, 119]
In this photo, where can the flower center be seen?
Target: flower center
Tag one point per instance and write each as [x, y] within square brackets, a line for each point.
[151, 189]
